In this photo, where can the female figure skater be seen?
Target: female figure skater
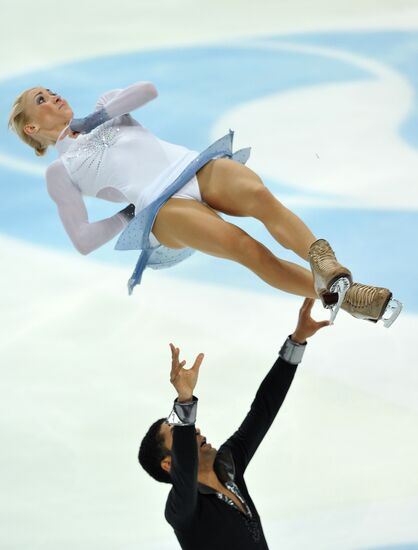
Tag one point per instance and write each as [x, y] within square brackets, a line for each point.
[110, 155]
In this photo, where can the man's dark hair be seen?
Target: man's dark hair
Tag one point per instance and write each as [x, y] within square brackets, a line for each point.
[152, 451]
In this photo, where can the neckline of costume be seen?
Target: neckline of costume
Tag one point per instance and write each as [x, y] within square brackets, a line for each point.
[63, 143]
[62, 131]
[206, 490]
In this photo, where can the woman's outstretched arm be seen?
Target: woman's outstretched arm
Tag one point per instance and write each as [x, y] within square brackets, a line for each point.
[85, 236]
[123, 102]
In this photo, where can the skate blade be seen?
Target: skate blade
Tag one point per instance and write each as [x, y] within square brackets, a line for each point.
[340, 288]
[131, 286]
[392, 311]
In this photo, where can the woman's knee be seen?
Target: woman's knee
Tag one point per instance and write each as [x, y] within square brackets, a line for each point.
[262, 201]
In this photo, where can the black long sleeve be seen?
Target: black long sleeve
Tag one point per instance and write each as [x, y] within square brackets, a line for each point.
[267, 402]
[182, 500]
[189, 512]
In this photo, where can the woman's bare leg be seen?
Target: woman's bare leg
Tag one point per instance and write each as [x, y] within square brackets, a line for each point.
[182, 222]
[234, 189]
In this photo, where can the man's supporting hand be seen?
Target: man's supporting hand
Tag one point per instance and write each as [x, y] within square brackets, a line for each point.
[184, 380]
[307, 326]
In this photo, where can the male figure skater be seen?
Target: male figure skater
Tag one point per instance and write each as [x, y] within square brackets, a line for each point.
[209, 506]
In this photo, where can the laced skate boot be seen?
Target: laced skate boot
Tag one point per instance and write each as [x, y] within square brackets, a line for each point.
[372, 304]
[331, 279]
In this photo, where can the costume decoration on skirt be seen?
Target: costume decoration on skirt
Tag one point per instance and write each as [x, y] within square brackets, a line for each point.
[136, 234]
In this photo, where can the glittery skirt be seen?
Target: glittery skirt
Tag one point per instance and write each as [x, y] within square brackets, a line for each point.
[136, 235]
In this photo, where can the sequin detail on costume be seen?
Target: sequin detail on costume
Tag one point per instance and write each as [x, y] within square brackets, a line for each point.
[163, 257]
[250, 521]
[93, 148]
[232, 486]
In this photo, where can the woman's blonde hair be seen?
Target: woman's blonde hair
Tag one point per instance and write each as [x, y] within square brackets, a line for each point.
[18, 119]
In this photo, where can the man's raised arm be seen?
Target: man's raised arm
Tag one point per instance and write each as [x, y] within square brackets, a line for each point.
[272, 391]
[182, 500]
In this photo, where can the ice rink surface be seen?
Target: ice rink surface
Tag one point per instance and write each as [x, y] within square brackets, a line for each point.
[325, 93]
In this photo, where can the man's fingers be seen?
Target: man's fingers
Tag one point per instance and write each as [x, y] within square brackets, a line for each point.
[173, 351]
[176, 367]
[198, 361]
[175, 371]
[307, 305]
[310, 304]
[322, 324]
[306, 308]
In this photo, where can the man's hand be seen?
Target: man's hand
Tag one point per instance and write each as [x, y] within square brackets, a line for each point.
[184, 380]
[306, 325]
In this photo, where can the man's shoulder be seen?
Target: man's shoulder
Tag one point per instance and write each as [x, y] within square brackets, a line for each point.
[224, 464]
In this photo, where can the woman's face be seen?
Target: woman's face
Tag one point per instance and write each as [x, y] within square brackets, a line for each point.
[46, 111]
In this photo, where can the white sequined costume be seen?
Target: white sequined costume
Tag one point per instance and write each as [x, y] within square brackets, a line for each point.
[120, 161]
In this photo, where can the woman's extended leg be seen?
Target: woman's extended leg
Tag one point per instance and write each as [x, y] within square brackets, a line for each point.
[182, 222]
[234, 189]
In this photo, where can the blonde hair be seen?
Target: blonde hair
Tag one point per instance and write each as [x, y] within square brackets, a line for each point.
[18, 119]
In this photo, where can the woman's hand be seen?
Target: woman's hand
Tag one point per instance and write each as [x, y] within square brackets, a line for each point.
[90, 122]
[307, 326]
[68, 132]
[184, 380]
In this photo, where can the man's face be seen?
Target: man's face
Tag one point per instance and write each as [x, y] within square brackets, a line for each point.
[206, 453]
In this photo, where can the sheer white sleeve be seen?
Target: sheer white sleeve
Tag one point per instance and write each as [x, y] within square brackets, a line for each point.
[123, 101]
[85, 236]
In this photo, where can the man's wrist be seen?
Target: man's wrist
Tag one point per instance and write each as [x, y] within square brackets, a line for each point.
[184, 398]
[292, 352]
[298, 338]
[183, 413]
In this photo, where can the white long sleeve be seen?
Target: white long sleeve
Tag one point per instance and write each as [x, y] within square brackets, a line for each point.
[123, 101]
[116, 104]
[85, 236]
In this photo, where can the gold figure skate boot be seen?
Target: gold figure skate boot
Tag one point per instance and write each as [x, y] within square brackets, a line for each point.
[372, 304]
[331, 279]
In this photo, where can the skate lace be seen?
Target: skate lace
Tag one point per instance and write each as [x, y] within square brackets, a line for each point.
[323, 256]
[361, 295]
